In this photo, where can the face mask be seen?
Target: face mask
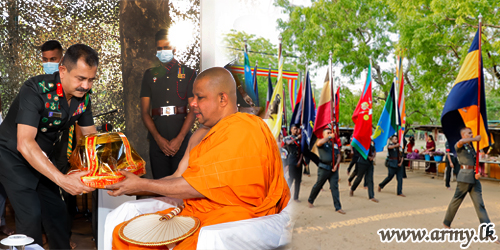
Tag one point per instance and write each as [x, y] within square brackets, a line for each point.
[165, 56]
[50, 67]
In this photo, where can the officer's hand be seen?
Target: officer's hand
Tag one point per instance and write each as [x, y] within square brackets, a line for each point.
[477, 176]
[334, 169]
[73, 183]
[175, 144]
[131, 184]
[163, 144]
[451, 165]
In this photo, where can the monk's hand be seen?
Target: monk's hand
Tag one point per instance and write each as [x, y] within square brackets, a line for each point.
[175, 144]
[130, 185]
[477, 176]
[163, 144]
[73, 183]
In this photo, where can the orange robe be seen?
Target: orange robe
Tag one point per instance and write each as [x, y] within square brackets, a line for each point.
[237, 167]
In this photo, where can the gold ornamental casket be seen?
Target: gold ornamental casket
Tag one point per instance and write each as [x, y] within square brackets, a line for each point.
[104, 155]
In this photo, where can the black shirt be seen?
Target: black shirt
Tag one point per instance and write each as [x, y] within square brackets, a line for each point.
[393, 153]
[293, 149]
[169, 85]
[41, 103]
[325, 156]
[466, 154]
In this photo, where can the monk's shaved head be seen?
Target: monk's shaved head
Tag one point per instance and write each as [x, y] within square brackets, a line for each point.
[220, 81]
[214, 96]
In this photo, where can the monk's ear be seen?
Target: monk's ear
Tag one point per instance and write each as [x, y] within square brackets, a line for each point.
[223, 99]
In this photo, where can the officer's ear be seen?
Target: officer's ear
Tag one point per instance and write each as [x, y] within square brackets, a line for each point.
[62, 71]
[223, 99]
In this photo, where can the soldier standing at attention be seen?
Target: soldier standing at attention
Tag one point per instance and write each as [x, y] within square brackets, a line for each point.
[166, 91]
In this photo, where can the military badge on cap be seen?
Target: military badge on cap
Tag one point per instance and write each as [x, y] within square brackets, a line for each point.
[43, 130]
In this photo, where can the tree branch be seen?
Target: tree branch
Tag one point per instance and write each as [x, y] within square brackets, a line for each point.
[405, 75]
[471, 25]
[496, 73]
[378, 79]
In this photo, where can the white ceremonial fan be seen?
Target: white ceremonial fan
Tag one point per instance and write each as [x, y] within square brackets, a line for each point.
[158, 229]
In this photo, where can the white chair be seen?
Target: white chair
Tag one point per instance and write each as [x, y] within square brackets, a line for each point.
[268, 232]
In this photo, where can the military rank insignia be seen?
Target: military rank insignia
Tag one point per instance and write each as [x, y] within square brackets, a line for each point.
[49, 96]
[181, 74]
[57, 122]
[45, 119]
[154, 79]
[59, 89]
[43, 130]
[44, 88]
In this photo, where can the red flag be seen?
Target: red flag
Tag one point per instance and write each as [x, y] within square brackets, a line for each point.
[362, 119]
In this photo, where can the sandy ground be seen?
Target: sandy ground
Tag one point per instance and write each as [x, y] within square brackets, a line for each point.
[424, 206]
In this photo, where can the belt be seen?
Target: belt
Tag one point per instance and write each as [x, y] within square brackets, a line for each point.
[393, 158]
[467, 167]
[326, 163]
[168, 110]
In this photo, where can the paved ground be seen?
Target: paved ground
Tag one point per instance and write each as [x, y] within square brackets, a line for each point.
[424, 206]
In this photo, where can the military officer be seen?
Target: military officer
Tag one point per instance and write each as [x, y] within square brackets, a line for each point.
[166, 91]
[45, 106]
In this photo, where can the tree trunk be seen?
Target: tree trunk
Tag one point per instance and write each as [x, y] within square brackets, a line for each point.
[139, 22]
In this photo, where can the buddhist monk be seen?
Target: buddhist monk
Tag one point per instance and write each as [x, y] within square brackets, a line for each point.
[234, 173]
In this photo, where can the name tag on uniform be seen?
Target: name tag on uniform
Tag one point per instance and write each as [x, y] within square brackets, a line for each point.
[55, 114]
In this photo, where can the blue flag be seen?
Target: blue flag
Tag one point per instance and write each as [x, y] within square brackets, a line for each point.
[309, 115]
[387, 124]
[461, 107]
[255, 86]
[297, 113]
[248, 78]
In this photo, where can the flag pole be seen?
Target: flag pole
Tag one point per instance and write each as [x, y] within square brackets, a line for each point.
[332, 106]
[303, 95]
[479, 94]
[284, 98]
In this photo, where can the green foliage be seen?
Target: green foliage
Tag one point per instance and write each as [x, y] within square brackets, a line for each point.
[435, 36]
[262, 51]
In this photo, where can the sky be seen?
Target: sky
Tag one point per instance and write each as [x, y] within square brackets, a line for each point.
[259, 17]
